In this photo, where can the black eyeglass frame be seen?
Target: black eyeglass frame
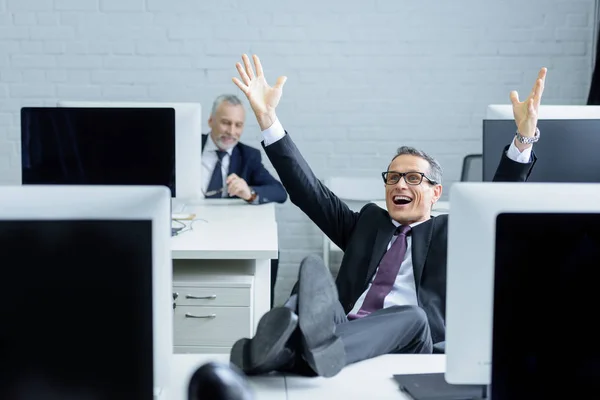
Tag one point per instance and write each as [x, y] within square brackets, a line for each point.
[403, 175]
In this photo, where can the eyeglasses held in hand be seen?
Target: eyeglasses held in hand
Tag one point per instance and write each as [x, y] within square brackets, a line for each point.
[211, 193]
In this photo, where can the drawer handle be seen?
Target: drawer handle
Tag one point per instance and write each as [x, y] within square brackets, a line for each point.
[188, 315]
[189, 296]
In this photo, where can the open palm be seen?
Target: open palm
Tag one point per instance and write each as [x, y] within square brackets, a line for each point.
[262, 97]
[526, 112]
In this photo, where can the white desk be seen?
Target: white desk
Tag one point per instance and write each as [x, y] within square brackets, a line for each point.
[370, 379]
[222, 274]
[270, 387]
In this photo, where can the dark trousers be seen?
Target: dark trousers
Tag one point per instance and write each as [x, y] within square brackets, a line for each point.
[396, 329]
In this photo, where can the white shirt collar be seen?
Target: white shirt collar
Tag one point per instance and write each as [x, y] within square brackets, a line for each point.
[397, 224]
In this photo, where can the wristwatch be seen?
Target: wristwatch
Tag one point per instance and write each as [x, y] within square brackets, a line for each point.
[529, 140]
[253, 196]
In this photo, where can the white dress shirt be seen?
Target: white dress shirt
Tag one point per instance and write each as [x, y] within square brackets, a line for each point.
[404, 290]
[209, 161]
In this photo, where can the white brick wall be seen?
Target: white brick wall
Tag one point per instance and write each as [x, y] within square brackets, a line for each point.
[364, 76]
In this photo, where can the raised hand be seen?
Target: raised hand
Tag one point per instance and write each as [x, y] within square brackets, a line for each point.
[526, 112]
[262, 97]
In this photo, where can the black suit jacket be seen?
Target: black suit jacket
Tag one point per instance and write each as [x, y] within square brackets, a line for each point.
[364, 235]
[246, 162]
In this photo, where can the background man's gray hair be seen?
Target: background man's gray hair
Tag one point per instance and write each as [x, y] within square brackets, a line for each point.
[229, 98]
[435, 169]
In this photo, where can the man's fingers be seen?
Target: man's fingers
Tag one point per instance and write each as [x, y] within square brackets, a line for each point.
[280, 82]
[542, 73]
[235, 185]
[541, 85]
[539, 89]
[230, 178]
[514, 97]
[239, 84]
[234, 188]
[257, 65]
[231, 187]
[541, 76]
[243, 73]
[248, 66]
[530, 106]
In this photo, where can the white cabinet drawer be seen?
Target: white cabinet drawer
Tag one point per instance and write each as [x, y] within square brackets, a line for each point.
[210, 326]
[212, 296]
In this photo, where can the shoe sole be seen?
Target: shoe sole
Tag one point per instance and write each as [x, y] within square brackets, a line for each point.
[259, 354]
[317, 294]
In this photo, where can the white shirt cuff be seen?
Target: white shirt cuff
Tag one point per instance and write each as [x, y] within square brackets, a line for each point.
[515, 154]
[273, 133]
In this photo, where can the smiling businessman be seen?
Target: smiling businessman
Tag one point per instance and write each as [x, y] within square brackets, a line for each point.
[390, 292]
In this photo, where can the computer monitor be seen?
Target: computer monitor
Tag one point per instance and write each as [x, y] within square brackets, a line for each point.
[472, 247]
[567, 149]
[545, 299]
[98, 146]
[505, 111]
[86, 297]
[188, 137]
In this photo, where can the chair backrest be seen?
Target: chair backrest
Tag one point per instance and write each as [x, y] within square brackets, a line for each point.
[356, 191]
[472, 169]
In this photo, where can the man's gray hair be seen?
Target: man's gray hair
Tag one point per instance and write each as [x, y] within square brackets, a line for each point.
[435, 169]
[229, 98]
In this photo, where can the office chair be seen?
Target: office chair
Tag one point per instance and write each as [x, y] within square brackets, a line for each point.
[472, 168]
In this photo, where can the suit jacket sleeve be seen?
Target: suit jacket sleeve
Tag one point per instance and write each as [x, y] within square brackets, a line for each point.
[513, 171]
[264, 184]
[321, 205]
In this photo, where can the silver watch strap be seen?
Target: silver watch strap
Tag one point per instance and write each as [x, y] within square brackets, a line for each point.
[529, 140]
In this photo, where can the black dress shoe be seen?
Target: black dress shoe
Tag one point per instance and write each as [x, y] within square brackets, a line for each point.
[317, 297]
[268, 350]
[215, 381]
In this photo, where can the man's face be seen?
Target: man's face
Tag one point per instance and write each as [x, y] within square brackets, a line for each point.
[408, 203]
[227, 125]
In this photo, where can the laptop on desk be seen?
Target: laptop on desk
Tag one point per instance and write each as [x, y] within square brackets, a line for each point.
[434, 387]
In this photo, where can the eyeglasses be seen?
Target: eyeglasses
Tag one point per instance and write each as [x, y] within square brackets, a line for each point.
[211, 193]
[411, 178]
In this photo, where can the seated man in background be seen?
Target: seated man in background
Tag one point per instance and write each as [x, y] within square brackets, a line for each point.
[233, 169]
[390, 293]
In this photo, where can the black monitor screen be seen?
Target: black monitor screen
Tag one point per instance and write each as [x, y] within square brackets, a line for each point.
[567, 150]
[76, 310]
[546, 306]
[98, 146]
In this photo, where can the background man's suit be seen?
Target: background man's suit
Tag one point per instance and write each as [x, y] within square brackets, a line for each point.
[246, 162]
[364, 236]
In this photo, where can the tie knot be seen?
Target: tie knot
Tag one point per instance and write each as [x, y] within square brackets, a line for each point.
[403, 230]
[221, 154]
